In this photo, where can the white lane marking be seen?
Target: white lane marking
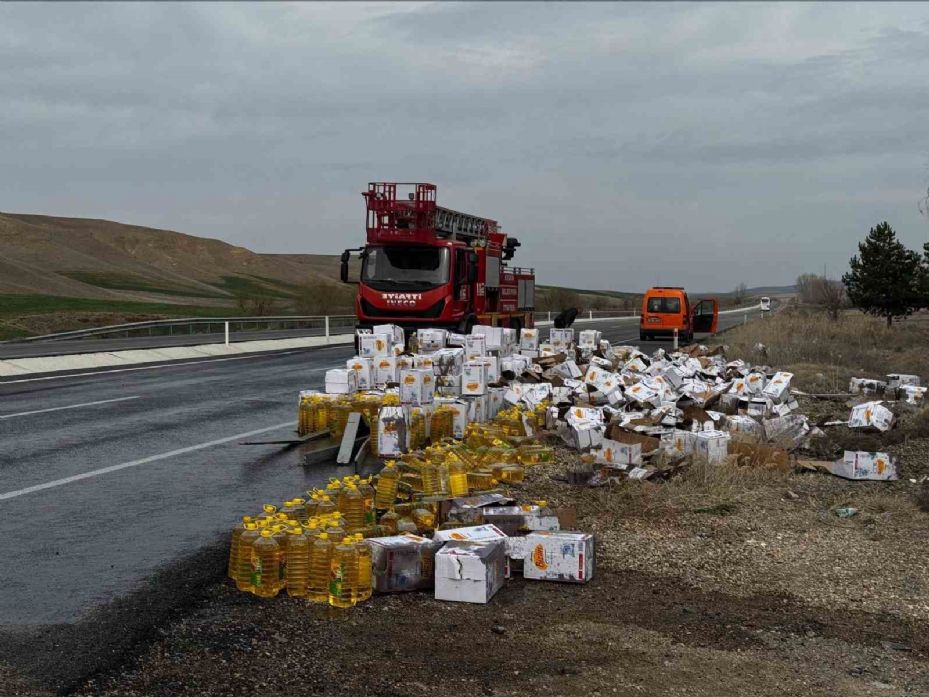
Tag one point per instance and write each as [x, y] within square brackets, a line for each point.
[155, 367]
[70, 406]
[136, 463]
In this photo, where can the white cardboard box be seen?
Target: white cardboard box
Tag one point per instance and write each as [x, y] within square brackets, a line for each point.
[475, 346]
[395, 332]
[589, 338]
[560, 339]
[474, 378]
[559, 556]
[871, 415]
[713, 445]
[678, 442]
[468, 572]
[614, 453]
[364, 371]
[385, 370]
[864, 465]
[341, 381]
[417, 386]
[470, 533]
[373, 345]
[448, 361]
[391, 431]
[431, 339]
[529, 339]
[777, 387]
[448, 385]
[901, 379]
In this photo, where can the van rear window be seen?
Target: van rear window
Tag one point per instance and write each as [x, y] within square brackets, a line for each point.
[664, 305]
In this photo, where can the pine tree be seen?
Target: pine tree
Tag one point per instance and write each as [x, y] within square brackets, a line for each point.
[885, 276]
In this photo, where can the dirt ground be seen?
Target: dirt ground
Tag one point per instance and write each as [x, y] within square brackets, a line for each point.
[727, 583]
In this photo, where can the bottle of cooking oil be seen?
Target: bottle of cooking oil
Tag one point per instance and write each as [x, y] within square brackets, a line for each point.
[343, 574]
[457, 478]
[244, 562]
[386, 492]
[335, 531]
[338, 417]
[424, 519]
[309, 507]
[353, 508]
[326, 505]
[367, 495]
[510, 474]
[480, 480]
[298, 562]
[432, 485]
[417, 428]
[266, 565]
[533, 454]
[233, 566]
[365, 572]
[320, 557]
[389, 521]
[442, 424]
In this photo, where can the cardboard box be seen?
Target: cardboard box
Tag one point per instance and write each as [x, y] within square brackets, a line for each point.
[515, 520]
[560, 339]
[431, 339]
[589, 338]
[385, 370]
[468, 572]
[866, 386]
[395, 332]
[493, 336]
[373, 345]
[424, 361]
[581, 435]
[474, 378]
[470, 533]
[448, 385]
[618, 454]
[402, 562]
[364, 371]
[713, 445]
[493, 367]
[777, 388]
[475, 346]
[744, 428]
[865, 465]
[871, 415]
[448, 361]
[913, 394]
[529, 339]
[559, 556]
[392, 437]
[339, 381]
[678, 442]
[901, 379]
[417, 386]
[479, 408]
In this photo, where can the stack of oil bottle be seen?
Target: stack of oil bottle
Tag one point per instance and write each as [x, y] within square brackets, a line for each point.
[314, 547]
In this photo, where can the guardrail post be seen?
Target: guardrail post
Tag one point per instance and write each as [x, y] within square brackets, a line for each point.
[227, 332]
[745, 319]
[590, 314]
[675, 339]
[327, 329]
[549, 315]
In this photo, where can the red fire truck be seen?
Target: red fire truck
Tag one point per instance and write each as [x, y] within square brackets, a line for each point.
[428, 266]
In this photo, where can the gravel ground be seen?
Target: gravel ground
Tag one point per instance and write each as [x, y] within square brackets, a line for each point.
[718, 582]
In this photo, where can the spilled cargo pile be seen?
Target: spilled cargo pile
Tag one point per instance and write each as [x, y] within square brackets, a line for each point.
[457, 419]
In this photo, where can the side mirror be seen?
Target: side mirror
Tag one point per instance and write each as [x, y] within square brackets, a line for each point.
[343, 266]
[472, 267]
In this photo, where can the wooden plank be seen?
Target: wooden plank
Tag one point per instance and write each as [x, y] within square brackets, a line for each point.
[348, 439]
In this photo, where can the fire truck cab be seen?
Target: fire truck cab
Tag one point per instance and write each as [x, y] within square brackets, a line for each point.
[428, 266]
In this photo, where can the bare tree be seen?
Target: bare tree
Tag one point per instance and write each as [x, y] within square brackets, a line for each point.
[739, 294]
[256, 302]
[805, 288]
[830, 295]
[321, 298]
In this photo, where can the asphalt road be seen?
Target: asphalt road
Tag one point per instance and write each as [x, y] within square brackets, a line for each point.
[108, 479]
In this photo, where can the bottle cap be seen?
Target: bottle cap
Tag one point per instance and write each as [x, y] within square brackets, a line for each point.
[267, 533]
[251, 526]
[296, 530]
[324, 536]
[268, 508]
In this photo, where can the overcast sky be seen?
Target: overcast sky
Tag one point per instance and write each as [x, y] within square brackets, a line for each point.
[623, 144]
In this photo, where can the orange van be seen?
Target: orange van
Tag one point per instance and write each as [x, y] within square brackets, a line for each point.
[666, 308]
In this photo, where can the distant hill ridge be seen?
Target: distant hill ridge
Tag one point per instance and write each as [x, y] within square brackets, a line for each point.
[87, 258]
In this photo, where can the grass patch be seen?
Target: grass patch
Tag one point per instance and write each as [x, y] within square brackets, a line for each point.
[9, 332]
[724, 508]
[18, 305]
[823, 354]
[247, 287]
[115, 281]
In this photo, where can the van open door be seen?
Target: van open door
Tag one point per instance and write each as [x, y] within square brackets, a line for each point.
[706, 316]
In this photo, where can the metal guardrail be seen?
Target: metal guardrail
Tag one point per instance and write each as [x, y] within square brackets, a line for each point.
[200, 325]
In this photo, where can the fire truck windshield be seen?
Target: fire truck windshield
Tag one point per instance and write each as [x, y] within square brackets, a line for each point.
[413, 268]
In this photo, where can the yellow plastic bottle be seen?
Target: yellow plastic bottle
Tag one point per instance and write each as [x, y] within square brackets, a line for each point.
[335, 531]
[367, 495]
[266, 565]
[386, 492]
[389, 521]
[243, 575]
[442, 424]
[326, 506]
[338, 418]
[432, 484]
[457, 478]
[343, 574]
[353, 508]
[233, 566]
[365, 572]
[298, 562]
[320, 557]
[480, 480]
[424, 519]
